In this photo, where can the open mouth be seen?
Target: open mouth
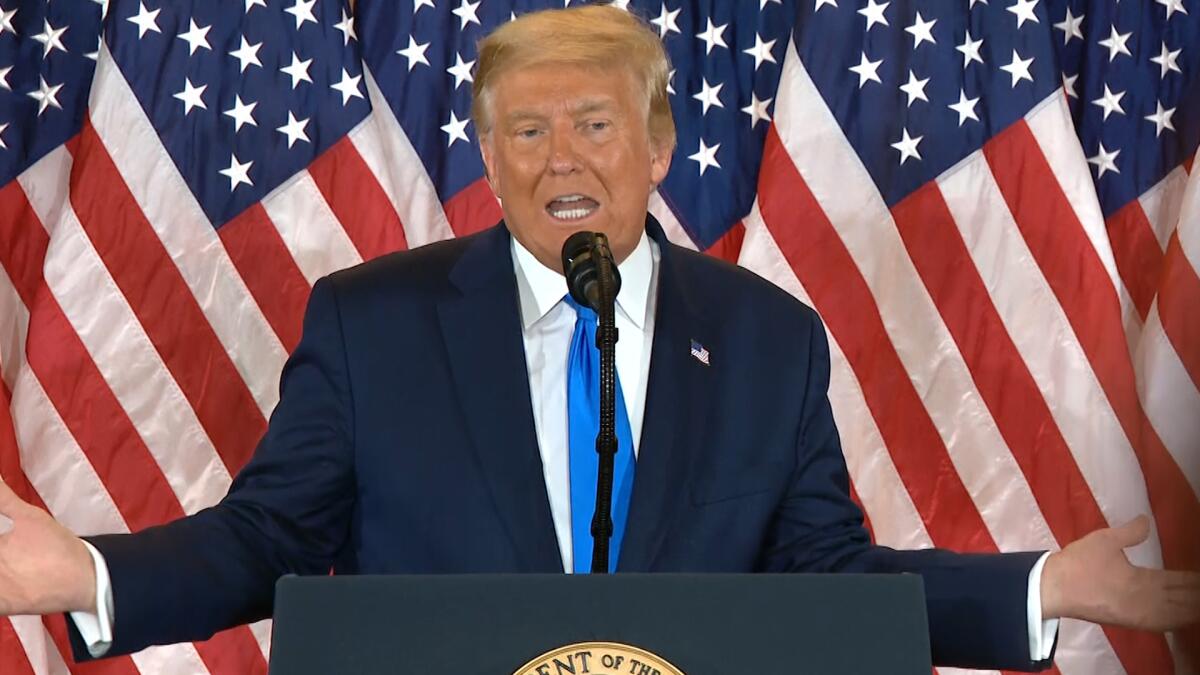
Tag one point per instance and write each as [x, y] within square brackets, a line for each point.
[572, 207]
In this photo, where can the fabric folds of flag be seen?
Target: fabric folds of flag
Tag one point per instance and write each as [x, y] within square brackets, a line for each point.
[994, 206]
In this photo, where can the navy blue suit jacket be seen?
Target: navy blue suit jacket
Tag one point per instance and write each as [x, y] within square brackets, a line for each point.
[404, 442]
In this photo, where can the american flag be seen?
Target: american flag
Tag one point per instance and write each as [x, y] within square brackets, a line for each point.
[988, 202]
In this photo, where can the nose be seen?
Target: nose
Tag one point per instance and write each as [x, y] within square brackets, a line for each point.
[564, 155]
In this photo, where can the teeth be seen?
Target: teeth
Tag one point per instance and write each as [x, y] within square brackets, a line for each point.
[571, 214]
[570, 198]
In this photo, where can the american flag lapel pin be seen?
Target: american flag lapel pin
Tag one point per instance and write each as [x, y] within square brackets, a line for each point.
[699, 352]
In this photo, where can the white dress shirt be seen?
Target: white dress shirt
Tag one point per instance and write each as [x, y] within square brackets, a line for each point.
[547, 325]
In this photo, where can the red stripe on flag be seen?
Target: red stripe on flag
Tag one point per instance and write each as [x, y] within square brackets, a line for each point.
[71, 380]
[840, 293]
[91, 411]
[13, 659]
[1179, 306]
[729, 246]
[269, 271]
[358, 201]
[1084, 290]
[163, 303]
[1139, 257]
[1008, 389]
[474, 208]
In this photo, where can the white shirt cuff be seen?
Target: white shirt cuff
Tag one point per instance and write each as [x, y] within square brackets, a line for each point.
[1042, 633]
[96, 629]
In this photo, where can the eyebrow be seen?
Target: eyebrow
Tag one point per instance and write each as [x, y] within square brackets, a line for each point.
[584, 107]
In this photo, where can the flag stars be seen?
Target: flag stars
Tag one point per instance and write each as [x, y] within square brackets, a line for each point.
[467, 13]
[1110, 102]
[706, 157]
[196, 37]
[50, 37]
[1116, 44]
[456, 130]
[709, 96]
[874, 13]
[713, 36]
[1024, 11]
[1068, 83]
[970, 50]
[757, 110]
[922, 31]
[3, 126]
[251, 4]
[818, 4]
[238, 173]
[247, 55]
[297, 70]
[761, 51]
[1018, 68]
[1161, 119]
[1167, 60]
[1104, 161]
[867, 70]
[1071, 27]
[461, 70]
[666, 21]
[346, 26]
[347, 87]
[46, 96]
[242, 113]
[1172, 6]
[294, 130]
[6, 20]
[914, 88]
[907, 145]
[415, 53]
[145, 20]
[965, 107]
[191, 96]
[4, 78]
[418, 4]
[303, 11]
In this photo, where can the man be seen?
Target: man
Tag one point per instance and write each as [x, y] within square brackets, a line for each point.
[424, 427]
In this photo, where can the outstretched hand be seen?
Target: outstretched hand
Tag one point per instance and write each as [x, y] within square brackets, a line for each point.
[1091, 579]
[44, 568]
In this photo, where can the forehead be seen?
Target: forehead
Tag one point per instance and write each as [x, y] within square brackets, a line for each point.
[538, 88]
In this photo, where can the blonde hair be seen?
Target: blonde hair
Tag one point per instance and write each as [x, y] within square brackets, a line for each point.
[593, 36]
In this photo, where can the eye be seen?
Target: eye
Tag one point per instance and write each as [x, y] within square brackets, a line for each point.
[528, 132]
[599, 125]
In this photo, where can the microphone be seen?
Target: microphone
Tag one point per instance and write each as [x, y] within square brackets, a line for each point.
[593, 281]
[584, 256]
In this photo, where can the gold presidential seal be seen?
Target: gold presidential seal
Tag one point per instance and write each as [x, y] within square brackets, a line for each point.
[598, 658]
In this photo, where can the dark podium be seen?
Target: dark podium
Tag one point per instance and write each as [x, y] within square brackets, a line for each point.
[700, 624]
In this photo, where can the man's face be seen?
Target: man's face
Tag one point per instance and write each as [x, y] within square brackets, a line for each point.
[569, 150]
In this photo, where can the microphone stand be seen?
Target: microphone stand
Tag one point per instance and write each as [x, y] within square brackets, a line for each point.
[606, 439]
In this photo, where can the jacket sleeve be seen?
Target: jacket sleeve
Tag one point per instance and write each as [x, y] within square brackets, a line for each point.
[976, 603]
[287, 512]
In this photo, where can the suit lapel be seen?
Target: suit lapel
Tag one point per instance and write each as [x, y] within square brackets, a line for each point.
[482, 330]
[678, 394]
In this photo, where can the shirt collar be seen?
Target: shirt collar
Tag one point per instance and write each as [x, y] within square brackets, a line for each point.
[541, 288]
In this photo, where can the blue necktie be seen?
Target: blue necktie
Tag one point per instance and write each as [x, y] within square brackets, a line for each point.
[583, 416]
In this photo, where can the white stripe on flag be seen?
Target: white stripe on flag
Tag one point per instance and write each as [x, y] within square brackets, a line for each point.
[670, 224]
[383, 145]
[309, 229]
[120, 348]
[38, 645]
[14, 327]
[1047, 344]
[1170, 397]
[185, 232]
[847, 195]
[1161, 204]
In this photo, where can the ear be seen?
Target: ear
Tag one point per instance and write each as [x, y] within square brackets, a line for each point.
[488, 152]
[660, 161]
